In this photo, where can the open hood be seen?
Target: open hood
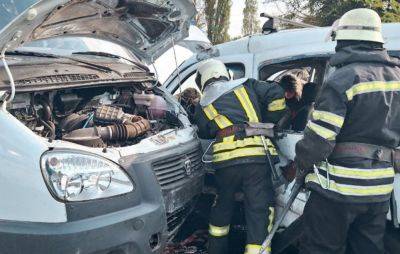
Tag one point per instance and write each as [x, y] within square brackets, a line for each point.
[147, 27]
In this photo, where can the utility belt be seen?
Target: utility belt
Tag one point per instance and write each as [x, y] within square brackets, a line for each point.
[247, 130]
[367, 151]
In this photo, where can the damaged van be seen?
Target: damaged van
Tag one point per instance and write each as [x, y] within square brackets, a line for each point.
[96, 157]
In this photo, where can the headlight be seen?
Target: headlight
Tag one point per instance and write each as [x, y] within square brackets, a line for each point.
[79, 176]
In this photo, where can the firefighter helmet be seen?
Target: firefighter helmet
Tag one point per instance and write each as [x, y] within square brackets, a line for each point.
[209, 70]
[358, 25]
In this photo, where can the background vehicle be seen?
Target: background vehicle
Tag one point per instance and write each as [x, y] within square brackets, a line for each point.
[302, 52]
[95, 157]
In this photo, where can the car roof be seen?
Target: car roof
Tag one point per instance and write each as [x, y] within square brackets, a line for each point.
[293, 42]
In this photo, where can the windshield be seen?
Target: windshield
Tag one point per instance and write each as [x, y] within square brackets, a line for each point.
[70, 45]
[10, 9]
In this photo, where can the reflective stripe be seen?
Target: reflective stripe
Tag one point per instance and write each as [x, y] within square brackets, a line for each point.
[271, 147]
[212, 114]
[321, 131]
[271, 218]
[244, 99]
[357, 173]
[229, 145]
[351, 190]
[240, 152]
[276, 105]
[369, 87]
[255, 249]
[229, 139]
[328, 117]
[218, 231]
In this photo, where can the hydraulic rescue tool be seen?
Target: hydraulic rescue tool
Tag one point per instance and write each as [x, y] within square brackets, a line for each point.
[295, 191]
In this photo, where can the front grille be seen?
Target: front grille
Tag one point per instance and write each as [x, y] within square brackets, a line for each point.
[173, 171]
[175, 219]
[57, 79]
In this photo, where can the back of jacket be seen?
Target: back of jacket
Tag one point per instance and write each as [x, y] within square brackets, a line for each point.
[360, 102]
[253, 101]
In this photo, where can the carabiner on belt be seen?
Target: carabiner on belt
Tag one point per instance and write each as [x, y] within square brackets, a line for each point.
[328, 182]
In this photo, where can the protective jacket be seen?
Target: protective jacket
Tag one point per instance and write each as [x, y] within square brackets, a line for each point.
[252, 101]
[360, 102]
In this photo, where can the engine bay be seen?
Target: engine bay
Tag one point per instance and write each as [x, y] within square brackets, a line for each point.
[96, 117]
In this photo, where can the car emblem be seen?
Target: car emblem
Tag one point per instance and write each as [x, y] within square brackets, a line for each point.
[188, 167]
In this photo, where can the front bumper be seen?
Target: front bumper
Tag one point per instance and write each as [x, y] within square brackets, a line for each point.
[127, 231]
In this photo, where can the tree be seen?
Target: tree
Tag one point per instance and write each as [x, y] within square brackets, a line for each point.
[200, 18]
[251, 25]
[217, 17]
[325, 12]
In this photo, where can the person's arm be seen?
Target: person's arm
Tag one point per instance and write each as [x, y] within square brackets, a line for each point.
[272, 100]
[320, 133]
[202, 123]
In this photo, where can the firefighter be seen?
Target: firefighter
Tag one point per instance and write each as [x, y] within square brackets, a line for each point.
[349, 144]
[239, 160]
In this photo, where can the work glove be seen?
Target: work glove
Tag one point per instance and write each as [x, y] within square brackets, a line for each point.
[289, 172]
[301, 170]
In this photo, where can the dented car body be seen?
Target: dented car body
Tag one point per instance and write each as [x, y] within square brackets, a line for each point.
[96, 158]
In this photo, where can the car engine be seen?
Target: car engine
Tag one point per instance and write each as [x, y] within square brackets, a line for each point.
[95, 117]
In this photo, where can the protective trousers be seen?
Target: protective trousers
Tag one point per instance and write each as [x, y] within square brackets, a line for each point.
[330, 227]
[256, 183]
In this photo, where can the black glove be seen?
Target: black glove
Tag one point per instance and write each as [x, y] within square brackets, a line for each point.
[301, 170]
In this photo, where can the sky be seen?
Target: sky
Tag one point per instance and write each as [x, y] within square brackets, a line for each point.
[235, 28]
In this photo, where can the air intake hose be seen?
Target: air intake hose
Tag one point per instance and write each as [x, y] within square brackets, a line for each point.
[96, 136]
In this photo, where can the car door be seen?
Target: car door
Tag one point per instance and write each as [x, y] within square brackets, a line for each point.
[311, 70]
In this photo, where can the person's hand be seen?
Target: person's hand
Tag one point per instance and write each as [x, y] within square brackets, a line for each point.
[289, 172]
[301, 170]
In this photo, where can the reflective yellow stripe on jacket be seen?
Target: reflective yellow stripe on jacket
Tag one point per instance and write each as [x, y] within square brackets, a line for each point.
[370, 87]
[277, 105]
[230, 148]
[252, 146]
[350, 190]
[251, 113]
[238, 153]
[244, 99]
[357, 173]
[328, 117]
[230, 145]
[213, 115]
[322, 131]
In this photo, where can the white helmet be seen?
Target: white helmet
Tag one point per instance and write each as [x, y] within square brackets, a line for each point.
[358, 25]
[210, 69]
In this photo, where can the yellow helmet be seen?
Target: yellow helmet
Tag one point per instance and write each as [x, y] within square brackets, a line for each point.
[358, 25]
[210, 69]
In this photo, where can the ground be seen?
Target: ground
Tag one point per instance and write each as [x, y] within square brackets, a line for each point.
[192, 238]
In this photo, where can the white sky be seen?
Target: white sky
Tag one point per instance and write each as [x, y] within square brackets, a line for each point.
[235, 28]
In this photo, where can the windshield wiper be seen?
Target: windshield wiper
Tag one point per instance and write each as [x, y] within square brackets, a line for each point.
[104, 54]
[30, 53]
[48, 55]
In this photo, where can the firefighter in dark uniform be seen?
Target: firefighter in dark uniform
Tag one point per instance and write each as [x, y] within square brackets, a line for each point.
[239, 160]
[349, 145]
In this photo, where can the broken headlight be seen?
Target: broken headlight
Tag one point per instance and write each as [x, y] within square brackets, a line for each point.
[80, 176]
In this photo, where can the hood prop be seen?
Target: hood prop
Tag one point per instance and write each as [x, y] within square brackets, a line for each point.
[11, 96]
